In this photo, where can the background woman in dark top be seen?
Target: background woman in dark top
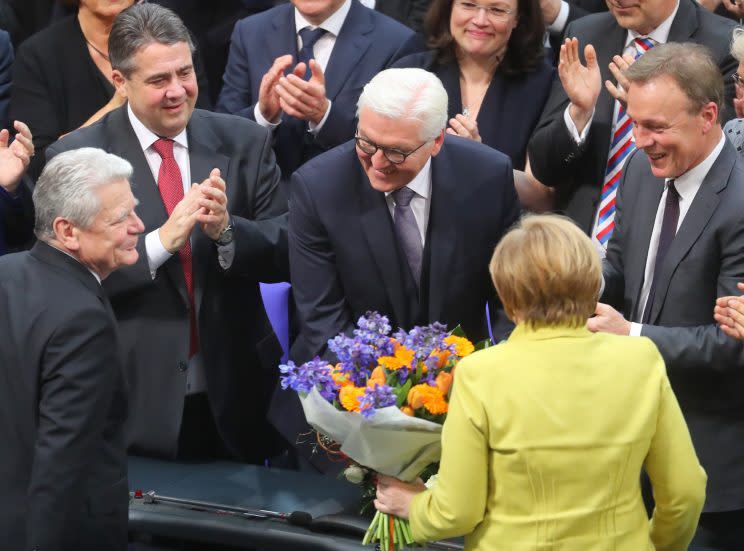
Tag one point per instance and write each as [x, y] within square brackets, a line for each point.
[62, 76]
[490, 57]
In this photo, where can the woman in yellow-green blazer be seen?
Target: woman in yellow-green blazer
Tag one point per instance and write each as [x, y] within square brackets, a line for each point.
[548, 431]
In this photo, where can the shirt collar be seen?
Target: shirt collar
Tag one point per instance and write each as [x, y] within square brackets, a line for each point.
[421, 183]
[688, 184]
[146, 137]
[660, 34]
[333, 24]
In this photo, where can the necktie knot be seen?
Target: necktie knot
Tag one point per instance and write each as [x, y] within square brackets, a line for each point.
[403, 196]
[310, 36]
[672, 190]
[642, 45]
[164, 148]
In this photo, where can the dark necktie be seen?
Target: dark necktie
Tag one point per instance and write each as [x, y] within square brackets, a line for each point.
[666, 236]
[170, 185]
[407, 230]
[309, 38]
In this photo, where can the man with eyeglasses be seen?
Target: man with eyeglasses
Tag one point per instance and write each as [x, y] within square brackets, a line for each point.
[734, 129]
[401, 220]
[583, 137]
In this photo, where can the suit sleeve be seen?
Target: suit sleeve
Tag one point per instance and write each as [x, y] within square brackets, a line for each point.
[677, 478]
[236, 96]
[78, 376]
[316, 286]
[17, 215]
[457, 502]
[6, 76]
[261, 230]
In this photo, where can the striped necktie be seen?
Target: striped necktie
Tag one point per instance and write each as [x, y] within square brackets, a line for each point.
[621, 146]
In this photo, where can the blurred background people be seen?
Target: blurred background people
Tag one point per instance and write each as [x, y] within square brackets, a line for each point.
[734, 129]
[6, 76]
[16, 207]
[62, 79]
[540, 448]
[64, 402]
[490, 59]
[409, 12]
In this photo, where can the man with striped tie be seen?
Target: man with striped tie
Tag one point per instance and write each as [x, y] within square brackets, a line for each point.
[584, 138]
[677, 244]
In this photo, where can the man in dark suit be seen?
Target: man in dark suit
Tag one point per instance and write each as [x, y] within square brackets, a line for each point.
[16, 207]
[6, 76]
[403, 220]
[678, 244]
[268, 59]
[570, 148]
[409, 12]
[201, 355]
[64, 405]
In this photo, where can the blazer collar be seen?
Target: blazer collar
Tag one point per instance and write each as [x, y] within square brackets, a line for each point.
[51, 255]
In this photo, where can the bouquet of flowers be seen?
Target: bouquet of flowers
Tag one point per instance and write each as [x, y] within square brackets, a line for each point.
[383, 403]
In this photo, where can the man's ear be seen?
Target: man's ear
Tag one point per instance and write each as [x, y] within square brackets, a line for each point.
[438, 143]
[66, 233]
[709, 112]
[119, 82]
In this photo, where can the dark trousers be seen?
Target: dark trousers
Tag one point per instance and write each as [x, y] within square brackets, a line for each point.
[720, 531]
[199, 439]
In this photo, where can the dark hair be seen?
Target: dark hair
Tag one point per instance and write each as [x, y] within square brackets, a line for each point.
[141, 25]
[690, 65]
[524, 51]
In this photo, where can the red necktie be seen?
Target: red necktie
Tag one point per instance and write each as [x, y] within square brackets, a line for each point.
[170, 185]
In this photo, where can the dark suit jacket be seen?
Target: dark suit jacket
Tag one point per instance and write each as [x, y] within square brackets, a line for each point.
[63, 407]
[16, 218]
[577, 172]
[367, 43]
[409, 12]
[705, 261]
[57, 86]
[239, 350]
[510, 108]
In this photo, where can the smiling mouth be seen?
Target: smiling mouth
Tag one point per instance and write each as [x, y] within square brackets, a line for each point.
[655, 156]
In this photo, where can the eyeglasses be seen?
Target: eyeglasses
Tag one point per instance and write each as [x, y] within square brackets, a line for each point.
[395, 156]
[494, 13]
[737, 78]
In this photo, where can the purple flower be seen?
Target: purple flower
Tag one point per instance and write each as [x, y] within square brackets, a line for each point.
[373, 329]
[424, 339]
[376, 397]
[315, 373]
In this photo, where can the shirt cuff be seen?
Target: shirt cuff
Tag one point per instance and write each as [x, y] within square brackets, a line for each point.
[557, 26]
[157, 254]
[225, 255]
[315, 128]
[635, 329]
[578, 138]
[260, 119]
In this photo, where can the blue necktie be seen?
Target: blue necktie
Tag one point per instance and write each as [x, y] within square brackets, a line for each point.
[309, 37]
[407, 230]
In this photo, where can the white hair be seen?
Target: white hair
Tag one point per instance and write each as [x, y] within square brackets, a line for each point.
[737, 44]
[409, 93]
[66, 187]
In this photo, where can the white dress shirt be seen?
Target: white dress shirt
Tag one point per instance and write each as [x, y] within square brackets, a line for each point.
[421, 200]
[687, 186]
[322, 50]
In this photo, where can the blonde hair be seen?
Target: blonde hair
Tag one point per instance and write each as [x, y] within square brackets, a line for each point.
[547, 272]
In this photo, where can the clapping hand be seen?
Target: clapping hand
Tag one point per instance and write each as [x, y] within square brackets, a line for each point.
[465, 127]
[304, 99]
[729, 313]
[582, 83]
[14, 158]
[618, 66]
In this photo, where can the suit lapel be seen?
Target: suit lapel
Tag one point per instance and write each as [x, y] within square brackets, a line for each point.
[610, 42]
[442, 232]
[378, 229]
[449, 74]
[351, 43]
[203, 157]
[697, 217]
[684, 24]
[283, 38]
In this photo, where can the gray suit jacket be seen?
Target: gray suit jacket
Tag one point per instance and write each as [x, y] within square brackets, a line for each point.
[577, 172]
[239, 349]
[705, 261]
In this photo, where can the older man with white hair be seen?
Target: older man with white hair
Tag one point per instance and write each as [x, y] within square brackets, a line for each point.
[63, 398]
[402, 220]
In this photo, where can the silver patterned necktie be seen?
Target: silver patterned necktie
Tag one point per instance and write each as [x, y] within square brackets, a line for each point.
[407, 230]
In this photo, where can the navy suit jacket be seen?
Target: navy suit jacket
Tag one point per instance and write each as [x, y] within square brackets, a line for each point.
[16, 218]
[239, 349]
[510, 108]
[6, 76]
[367, 43]
[577, 171]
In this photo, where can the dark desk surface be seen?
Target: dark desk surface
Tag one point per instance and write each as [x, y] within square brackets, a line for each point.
[245, 486]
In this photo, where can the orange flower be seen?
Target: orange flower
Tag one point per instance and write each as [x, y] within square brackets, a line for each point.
[403, 358]
[429, 397]
[339, 378]
[377, 377]
[463, 347]
[349, 397]
[442, 357]
[408, 410]
[444, 382]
